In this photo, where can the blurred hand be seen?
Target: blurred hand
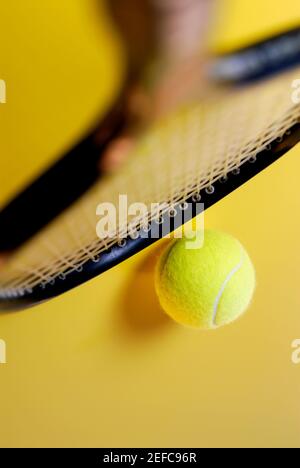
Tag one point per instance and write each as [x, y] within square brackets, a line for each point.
[166, 48]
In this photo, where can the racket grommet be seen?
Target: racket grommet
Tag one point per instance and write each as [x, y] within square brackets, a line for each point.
[146, 228]
[172, 212]
[223, 179]
[122, 242]
[96, 259]
[236, 171]
[184, 206]
[210, 190]
[134, 235]
[196, 198]
[253, 160]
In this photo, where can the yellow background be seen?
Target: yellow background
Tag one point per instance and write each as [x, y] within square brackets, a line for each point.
[102, 365]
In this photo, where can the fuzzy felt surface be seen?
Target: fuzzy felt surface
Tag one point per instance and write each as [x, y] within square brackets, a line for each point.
[207, 287]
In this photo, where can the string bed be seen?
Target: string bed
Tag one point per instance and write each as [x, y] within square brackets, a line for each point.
[178, 157]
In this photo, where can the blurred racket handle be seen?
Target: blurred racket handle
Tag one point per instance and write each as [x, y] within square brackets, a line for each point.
[261, 60]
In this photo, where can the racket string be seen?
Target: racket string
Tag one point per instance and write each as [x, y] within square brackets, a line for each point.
[180, 157]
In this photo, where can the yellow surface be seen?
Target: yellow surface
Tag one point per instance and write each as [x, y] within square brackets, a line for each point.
[102, 365]
[241, 21]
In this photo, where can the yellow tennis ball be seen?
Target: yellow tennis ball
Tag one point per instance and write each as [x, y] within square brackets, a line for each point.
[207, 287]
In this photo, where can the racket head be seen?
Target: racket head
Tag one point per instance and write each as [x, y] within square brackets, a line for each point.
[202, 153]
[14, 300]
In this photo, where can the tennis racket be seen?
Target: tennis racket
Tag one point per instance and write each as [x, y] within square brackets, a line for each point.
[200, 153]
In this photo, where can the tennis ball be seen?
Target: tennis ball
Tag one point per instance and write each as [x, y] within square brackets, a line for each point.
[207, 287]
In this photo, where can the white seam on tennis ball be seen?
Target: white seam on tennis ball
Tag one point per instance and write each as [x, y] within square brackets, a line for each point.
[222, 289]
